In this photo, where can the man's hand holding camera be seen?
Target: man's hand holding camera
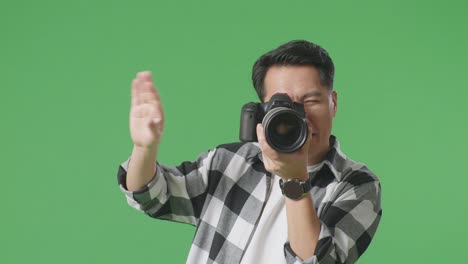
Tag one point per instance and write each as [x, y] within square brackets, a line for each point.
[286, 165]
[284, 135]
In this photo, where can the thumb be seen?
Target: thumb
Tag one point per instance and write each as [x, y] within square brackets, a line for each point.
[156, 123]
[155, 120]
[260, 133]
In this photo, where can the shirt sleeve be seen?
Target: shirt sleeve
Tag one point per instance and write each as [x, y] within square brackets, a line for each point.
[175, 193]
[347, 226]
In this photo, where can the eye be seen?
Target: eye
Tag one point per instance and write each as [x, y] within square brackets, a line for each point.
[311, 101]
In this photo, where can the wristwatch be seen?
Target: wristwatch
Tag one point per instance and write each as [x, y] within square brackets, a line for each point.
[294, 188]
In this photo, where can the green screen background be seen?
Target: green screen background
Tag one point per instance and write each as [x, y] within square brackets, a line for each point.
[65, 72]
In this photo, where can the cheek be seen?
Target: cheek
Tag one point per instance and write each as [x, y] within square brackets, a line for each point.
[319, 117]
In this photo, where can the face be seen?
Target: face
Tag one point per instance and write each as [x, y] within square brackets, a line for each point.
[302, 84]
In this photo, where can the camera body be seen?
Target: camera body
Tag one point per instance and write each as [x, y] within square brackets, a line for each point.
[283, 121]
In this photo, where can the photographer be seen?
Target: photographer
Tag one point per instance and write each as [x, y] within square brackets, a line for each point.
[261, 202]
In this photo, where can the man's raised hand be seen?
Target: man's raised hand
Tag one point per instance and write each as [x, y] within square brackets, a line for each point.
[146, 113]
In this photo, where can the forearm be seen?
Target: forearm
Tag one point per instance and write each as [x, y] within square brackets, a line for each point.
[141, 168]
[303, 226]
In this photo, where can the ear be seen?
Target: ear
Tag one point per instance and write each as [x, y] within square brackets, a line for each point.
[334, 102]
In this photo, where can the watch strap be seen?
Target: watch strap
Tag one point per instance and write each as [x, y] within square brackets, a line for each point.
[299, 190]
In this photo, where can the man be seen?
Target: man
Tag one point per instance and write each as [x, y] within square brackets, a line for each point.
[234, 193]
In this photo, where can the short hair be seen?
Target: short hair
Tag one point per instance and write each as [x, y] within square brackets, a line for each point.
[294, 53]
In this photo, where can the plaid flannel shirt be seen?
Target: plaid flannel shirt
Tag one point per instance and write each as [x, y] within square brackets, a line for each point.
[224, 191]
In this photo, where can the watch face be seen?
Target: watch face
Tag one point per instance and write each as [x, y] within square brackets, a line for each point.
[293, 189]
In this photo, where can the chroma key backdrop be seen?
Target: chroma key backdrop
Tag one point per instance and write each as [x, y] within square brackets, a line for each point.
[65, 73]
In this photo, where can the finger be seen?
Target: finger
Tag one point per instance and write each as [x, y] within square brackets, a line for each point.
[157, 114]
[156, 117]
[144, 82]
[135, 100]
[145, 76]
[266, 149]
[149, 87]
[138, 81]
[136, 90]
[156, 124]
[141, 77]
[260, 134]
[146, 93]
[150, 95]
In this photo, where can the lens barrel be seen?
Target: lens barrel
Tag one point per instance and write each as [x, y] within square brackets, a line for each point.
[285, 129]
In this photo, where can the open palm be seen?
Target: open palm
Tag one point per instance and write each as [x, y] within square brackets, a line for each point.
[146, 113]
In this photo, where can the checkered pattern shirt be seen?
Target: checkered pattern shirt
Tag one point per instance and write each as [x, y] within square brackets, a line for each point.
[224, 192]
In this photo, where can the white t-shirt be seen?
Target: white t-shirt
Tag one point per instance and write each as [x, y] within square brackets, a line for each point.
[268, 240]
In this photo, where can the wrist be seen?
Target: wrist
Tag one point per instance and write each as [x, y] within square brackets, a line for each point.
[145, 149]
[295, 189]
[303, 175]
[145, 153]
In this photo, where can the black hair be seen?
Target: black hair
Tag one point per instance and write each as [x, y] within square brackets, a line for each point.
[296, 52]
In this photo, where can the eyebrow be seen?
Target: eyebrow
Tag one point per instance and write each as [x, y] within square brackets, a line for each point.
[312, 94]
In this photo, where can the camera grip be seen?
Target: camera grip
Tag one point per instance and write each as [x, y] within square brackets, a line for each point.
[248, 122]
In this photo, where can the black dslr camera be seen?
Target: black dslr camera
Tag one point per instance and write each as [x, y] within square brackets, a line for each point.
[283, 121]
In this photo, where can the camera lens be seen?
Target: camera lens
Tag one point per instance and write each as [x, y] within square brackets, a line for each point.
[285, 129]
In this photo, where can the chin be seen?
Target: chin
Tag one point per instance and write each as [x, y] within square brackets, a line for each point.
[318, 142]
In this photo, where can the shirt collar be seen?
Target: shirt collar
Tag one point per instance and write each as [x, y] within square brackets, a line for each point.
[334, 159]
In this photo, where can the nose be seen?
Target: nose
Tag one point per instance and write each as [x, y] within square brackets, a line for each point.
[293, 97]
